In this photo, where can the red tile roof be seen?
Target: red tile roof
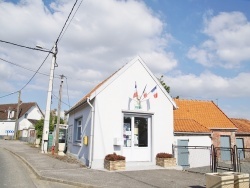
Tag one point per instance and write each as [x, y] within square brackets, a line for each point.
[243, 125]
[189, 125]
[205, 113]
[24, 107]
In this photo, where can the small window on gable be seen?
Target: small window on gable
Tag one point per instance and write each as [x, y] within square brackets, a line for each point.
[25, 115]
[11, 114]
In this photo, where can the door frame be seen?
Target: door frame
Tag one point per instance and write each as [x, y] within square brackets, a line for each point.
[130, 152]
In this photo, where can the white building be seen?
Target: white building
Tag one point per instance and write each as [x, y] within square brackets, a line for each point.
[29, 113]
[129, 113]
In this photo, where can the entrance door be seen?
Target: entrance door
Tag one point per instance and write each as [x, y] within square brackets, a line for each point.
[225, 150]
[240, 146]
[137, 138]
[183, 153]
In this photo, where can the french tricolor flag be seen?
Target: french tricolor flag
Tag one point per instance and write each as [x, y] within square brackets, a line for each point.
[135, 93]
[154, 91]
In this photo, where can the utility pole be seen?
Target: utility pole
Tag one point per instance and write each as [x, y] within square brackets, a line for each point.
[44, 146]
[58, 116]
[17, 115]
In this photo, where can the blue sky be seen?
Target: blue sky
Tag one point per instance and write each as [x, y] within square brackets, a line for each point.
[202, 47]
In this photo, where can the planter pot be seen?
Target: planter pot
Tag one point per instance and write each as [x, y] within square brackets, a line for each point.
[115, 165]
[61, 147]
[38, 140]
[219, 180]
[166, 162]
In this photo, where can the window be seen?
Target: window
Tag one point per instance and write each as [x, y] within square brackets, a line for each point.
[78, 129]
[135, 131]
[26, 115]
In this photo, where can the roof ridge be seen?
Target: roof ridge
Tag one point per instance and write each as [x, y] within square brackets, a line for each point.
[198, 100]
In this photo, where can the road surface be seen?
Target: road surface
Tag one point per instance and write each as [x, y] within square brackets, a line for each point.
[15, 173]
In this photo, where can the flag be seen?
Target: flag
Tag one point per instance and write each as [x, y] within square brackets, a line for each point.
[154, 91]
[135, 93]
[144, 92]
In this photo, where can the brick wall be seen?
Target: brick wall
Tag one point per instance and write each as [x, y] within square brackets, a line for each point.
[217, 134]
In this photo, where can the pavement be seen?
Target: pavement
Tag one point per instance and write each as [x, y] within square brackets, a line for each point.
[136, 176]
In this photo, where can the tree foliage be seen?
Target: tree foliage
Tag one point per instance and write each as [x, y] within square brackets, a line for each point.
[166, 87]
[40, 123]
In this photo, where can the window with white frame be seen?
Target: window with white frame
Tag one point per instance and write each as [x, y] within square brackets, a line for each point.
[78, 129]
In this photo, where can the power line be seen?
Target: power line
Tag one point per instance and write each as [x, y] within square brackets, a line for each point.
[61, 100]
[71, 19]
[38, 49]
[29, 79]
[35, 72]
[24, 67]
[9, 94]
[66, 21]
[22, 46]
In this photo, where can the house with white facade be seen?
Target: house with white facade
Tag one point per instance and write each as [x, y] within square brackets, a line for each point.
[29, 113]
[197, 125]
[129, 113]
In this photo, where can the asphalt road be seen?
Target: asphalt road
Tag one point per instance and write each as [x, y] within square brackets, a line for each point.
[14, 173]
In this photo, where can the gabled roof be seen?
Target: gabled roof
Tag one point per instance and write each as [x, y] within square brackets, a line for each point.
[101, 86]
[24, 107]
[243, 125]
[205, 113]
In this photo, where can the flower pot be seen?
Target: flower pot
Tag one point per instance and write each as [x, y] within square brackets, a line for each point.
[115, 165]
[61, 147]
[166, 162]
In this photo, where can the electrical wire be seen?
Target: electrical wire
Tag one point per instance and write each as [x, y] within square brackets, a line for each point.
[61, 100]
[22, 46]
[30, 78]
[9, 94]
[38, 49]
[66, 22]
[71, 20]
[25, 67]
[35, 72]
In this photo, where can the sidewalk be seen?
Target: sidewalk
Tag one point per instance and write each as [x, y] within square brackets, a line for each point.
[48, 168]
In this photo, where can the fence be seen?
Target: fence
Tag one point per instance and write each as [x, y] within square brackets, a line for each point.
[204, 159]
[243, 160]
[193, 158]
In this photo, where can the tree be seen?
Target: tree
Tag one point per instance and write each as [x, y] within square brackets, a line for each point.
[166, 87]
[40, 123]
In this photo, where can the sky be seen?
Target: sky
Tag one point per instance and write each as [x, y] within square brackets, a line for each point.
[201, 47]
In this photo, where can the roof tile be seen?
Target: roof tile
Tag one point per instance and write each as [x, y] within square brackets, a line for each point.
[243, 125]
[205, 113]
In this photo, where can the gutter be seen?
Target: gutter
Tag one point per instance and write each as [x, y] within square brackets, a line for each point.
[91, 133]
[191, 133]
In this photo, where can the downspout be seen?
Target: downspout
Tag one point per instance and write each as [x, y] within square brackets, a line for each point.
[91, 133]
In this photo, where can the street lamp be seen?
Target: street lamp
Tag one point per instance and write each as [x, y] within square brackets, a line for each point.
[44, 146]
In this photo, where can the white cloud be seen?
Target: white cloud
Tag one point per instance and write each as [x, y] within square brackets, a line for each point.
[101, 38]
[208, 85]
[228, 42]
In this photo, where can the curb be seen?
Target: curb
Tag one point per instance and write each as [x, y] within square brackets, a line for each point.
[49, 178]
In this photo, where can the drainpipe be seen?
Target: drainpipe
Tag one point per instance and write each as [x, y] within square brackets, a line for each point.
[91, 133]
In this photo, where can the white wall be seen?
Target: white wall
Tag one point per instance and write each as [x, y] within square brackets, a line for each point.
[33, 113]
[109, 117]
[197, 157]
[7, 126]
